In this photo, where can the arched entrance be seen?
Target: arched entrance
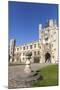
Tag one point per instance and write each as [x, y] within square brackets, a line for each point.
[47, 57]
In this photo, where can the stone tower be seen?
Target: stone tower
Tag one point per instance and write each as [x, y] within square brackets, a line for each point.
[49, 43]
[12, 49]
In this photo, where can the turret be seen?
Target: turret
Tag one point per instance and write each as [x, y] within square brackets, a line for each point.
[40, 28]
[50, 22]
[11, 50]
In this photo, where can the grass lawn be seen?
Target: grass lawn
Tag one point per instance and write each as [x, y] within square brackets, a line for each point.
[49, 76]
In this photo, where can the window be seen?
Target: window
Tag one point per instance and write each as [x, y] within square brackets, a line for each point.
[20, 59]
[52, 45]
[27, 47]
[48, 30]
[46, 38]
[23, 54]
[23, 48]
[30, 46]
[46, 43]
[23, 58]
[17, 49]
[40, 47]
[55, 49]
[54, 40]
[51, 35]
[55, 32]
[38, 52]
[17, 54]
[11, 53]
[46, 34]
[20, 54]
[53, 56]
[34, 45]
[35, 53]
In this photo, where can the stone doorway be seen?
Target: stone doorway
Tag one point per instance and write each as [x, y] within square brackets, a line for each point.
[47, 58]
[36, 59]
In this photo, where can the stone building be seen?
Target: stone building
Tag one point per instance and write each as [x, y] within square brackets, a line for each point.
[12, 50]
[49, 42]
[45, 50]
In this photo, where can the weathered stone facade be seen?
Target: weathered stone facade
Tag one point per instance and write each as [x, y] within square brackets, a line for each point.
[45, 50]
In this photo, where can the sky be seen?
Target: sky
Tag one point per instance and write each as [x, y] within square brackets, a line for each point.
[24, 19]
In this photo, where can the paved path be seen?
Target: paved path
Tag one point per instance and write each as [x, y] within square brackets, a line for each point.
[14, 71]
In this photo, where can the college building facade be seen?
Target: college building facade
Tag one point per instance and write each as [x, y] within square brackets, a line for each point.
[45, 50]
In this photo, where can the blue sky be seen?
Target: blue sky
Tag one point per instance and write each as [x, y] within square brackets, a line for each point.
[24, 19]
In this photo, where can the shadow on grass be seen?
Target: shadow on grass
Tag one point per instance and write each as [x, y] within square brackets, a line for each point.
[41, 77]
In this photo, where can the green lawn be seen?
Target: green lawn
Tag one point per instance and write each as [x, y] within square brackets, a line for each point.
[49, 76]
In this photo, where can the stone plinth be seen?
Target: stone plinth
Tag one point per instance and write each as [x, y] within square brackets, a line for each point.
[28, 63]
[27, 67]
